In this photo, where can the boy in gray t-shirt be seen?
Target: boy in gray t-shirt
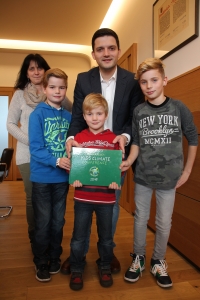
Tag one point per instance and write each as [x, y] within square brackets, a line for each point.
[157, 129]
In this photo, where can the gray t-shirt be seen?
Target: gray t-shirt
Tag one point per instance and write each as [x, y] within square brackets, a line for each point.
[158, 131]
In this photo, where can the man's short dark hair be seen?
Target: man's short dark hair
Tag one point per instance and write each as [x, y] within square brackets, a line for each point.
[103, 32]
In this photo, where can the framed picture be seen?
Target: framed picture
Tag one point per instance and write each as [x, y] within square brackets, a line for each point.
[175, 24]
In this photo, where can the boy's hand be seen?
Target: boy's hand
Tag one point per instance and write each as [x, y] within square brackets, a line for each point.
[69, 144]
[77, 183]
[64, 163]
[122, 140]
[184, 177]
[125, 165]
[114, 186]
[188, 166]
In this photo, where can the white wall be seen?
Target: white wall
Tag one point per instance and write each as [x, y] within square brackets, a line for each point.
[10, 64]
[134, 25]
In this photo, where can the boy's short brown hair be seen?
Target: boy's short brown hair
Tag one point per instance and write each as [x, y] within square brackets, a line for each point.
[94, 100]
[54, 73]
[150, 64]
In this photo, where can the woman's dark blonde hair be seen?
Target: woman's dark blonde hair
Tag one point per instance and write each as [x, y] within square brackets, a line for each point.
[150, 64]
[54, 73]
[94, 100]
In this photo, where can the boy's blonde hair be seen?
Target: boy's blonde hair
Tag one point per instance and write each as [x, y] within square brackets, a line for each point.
[54, 73]
[150, 64]
[94, 100]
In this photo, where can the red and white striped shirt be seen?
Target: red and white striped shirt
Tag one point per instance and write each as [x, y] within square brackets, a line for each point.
[96, 194]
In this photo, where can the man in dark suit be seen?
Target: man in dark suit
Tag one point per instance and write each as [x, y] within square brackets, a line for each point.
[122, 93]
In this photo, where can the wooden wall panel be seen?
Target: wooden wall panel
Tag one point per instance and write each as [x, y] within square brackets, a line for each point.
[186, 88]
[185, 230]
[192, 187]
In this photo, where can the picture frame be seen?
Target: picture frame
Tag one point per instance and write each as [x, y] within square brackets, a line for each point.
[175, 24]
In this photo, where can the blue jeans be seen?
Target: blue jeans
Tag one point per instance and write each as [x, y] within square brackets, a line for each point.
[115, 217]
[164, 209]
[116, 208]
[49, 204]
[82, 224]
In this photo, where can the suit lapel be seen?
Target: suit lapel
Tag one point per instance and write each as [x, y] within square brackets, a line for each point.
[95, 81]
[119, 92]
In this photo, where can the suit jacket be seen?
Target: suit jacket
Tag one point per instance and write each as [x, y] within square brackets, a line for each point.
[127, 96]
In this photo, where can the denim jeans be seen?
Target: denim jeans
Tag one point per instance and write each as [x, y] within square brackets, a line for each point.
[164, 209]
[115, 217]
[49, 204]
[82, 223]
[25, 173]
[116, 208]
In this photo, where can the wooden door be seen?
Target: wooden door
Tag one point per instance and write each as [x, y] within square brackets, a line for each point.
[14, 173]
[129, 62]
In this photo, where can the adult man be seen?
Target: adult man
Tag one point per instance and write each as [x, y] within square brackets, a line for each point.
[122, 93]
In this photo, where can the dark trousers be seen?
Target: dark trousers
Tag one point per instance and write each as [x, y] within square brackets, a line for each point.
[49, 204]
[82, 222]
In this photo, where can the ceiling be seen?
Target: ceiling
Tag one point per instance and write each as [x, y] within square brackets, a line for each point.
[57, 21]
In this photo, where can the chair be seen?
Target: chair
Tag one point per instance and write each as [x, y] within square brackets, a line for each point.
[5, 163]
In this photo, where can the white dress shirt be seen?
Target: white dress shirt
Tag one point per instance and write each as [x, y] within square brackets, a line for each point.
[108, 92]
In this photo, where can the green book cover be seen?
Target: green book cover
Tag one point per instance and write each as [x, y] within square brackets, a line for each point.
[95, 166]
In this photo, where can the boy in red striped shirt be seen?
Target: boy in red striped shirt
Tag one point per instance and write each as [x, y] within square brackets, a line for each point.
[89, 199]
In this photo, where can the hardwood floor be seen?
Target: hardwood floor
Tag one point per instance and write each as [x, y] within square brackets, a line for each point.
[17, 275]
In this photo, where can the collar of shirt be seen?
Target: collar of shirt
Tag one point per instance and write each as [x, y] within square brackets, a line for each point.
[113, 77]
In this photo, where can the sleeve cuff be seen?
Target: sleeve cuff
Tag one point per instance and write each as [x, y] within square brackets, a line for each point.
[128, 138]
[69, 138]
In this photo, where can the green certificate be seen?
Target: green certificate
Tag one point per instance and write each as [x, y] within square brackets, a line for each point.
[95, 166]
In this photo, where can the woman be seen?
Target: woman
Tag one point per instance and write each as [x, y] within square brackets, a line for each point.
[28, 95]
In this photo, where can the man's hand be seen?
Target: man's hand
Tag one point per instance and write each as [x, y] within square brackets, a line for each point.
[69, 144]
[114, 186]
[122, 140]
[192, 150]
